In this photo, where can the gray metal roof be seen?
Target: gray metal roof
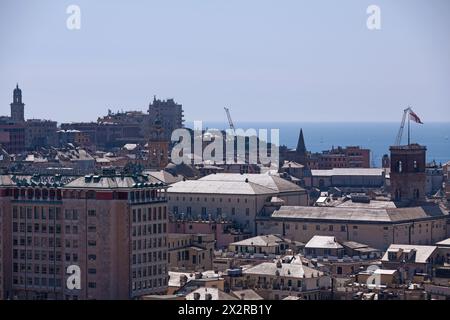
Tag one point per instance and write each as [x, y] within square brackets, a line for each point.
[219, 187]
[422, 252]
[269, 240]
[286, 270]
[273, 182]
[359, 214]
[323, 242]
[348, 172]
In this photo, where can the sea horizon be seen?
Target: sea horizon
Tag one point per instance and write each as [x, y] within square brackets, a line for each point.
[376, 136]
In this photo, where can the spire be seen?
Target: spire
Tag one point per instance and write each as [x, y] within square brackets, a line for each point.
[301, 148]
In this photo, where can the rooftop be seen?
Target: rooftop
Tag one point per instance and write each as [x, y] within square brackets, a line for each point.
[273, 182]
[260, 241]
[215, 293]
[348, 172]
[283, 270]
[323, 242]
[219, 187]
[422, 253]
[361, 214]
[248, 294]
[445, 243]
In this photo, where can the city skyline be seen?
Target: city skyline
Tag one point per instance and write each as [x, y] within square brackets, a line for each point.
[312, 62]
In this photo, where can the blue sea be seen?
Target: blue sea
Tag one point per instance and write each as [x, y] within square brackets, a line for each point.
[377, 137]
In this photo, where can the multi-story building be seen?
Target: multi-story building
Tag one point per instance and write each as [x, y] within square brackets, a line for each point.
[40, 133]
[75, 137]
[237, 197]
[223, 230]
[111, 226]
[339, 157]
[411, 260]
[190, 252]
[348, 157]
[446, 171]
[12, 136]
[17, 135]
[170, 112]
[277, 280]
[270, 244]
[377, 227]
[408, 218]
[346, 179]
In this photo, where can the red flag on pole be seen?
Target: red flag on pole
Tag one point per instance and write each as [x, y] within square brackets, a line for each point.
[414, 117]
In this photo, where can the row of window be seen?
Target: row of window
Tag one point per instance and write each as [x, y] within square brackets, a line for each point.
[39, 282]
[149, 214]
[156, 228]
[191, 199]
[149, 284]
[44, 242]
[39, 255]
[37, 213]
[343, 228]
[205, 211]
[149, 271]
[144, 244]
[155, 256]
[37, 228]
[37, 268]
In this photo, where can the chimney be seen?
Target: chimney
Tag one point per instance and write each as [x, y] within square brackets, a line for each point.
[196, 296]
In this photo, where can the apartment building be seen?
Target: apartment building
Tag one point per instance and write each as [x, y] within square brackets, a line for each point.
[376, 227]
[111, 226]
[190, 252]
[277, 280]
[236, 197]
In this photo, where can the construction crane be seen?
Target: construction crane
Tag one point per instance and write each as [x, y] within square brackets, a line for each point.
[230, 122]
[398, 140]
[408, 112]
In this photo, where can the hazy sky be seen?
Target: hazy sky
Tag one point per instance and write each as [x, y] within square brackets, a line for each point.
[267, 60]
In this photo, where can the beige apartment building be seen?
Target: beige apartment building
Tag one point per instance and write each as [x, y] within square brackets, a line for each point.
[190, 252]
[377, 228]
[113, 227]
[237, 197]
[408, 218]
[277, 280]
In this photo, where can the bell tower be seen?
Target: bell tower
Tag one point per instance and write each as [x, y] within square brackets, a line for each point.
[17, 106]
[408, 177]
[158, 146]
